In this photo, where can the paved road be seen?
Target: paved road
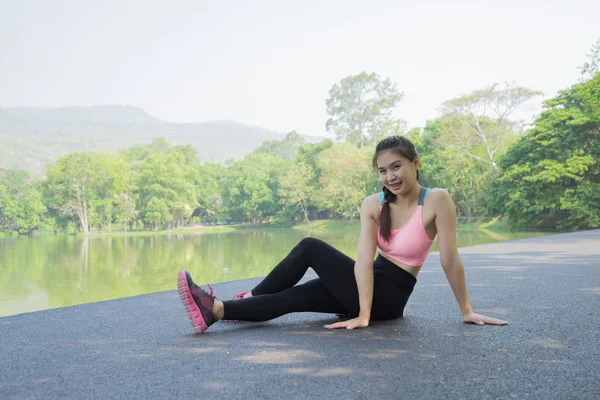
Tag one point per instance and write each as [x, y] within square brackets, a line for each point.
[143, 347]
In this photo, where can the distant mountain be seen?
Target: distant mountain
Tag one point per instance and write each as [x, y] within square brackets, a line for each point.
[33, 137]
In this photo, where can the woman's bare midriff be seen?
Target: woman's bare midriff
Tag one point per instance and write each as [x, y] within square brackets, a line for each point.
[414, 271]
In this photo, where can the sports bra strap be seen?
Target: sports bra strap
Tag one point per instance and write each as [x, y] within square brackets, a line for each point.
[422, 194]
[381, 197]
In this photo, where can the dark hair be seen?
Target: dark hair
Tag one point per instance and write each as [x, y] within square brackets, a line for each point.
[405, 148]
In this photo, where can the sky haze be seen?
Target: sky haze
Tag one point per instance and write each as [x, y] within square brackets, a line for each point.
[272, 63]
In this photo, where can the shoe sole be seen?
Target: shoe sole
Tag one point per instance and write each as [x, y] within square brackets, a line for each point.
[192, 309]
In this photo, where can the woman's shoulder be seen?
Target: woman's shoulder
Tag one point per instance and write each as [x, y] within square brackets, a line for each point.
[370, 205]
[372, 200]
[438, 197]
[437, 192]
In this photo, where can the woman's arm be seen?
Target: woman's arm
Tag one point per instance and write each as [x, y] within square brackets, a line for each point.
[363, 268]
[445, 223]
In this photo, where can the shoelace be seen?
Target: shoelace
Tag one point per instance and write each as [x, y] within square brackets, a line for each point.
[240, 295]
[211, 292]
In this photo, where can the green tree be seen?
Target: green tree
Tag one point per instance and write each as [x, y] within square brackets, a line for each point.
[360, 108]
[95, 189]
[168, 173]
[125, 211]
[449, 167]
[592, 66]
[551, 176]
[309, 155]
[478, 123]
[156, 213]
[73, 186]
[286, 149]
[21, 207]
[115, 197]
[209, 192]
[344, 170]
[251, 187]
[122, 192]
[295, 189]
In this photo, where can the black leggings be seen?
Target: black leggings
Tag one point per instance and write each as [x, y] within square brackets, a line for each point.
[335, 290]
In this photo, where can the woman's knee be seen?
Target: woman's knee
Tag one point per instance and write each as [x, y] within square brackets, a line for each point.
[310, 243]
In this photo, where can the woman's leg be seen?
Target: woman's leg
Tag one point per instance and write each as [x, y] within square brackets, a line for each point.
[334, 292]
[392, 289]
[311, 296]
[335, 270]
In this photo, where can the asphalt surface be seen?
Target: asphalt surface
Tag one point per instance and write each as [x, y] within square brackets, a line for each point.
[548, 288]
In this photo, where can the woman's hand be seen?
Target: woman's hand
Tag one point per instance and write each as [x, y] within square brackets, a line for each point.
[479, 319]
[350, 324]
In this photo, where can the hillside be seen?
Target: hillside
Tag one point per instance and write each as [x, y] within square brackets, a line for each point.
[32, 137]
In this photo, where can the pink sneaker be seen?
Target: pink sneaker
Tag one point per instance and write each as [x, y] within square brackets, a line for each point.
[198, 303]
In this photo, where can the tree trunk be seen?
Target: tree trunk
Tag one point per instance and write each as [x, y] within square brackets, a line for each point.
[303, 207]
[83, 219]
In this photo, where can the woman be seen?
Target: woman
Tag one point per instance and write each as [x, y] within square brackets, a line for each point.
[402, 221]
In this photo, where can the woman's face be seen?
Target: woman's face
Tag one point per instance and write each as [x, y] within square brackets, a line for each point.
[397, 173]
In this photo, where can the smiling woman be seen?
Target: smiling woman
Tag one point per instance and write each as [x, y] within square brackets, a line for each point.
[401, 222]
[397, 161]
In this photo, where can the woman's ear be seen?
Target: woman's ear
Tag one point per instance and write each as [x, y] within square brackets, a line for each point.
[417, 163]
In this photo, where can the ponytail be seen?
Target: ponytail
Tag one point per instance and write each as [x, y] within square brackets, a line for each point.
[385, 217]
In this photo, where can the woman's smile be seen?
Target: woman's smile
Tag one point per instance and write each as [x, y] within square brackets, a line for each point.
[395, 186]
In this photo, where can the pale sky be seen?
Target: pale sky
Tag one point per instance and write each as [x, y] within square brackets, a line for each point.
[271, 63]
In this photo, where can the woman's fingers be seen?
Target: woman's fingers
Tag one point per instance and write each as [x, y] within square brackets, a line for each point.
[349, 324]
[337, 325]
[494, 321]
[482, 319]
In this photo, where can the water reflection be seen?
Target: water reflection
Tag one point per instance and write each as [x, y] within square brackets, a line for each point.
[55, 271]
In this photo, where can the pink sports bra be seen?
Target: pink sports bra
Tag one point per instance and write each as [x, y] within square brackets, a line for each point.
[409, 244]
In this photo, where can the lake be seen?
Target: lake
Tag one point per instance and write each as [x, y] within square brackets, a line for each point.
[45, 272]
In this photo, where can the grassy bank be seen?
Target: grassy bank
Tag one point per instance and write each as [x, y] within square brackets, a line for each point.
[494, 224]
[320, 225]
[180, 231]
[330, 225]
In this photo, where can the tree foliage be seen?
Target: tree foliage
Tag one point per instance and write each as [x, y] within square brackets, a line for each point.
[168, 174]
[21, 207]
[74, 185]
[450, 168]
[476, 150]
[551, 177]
[295, 188]
[286, 149]
[360, 108]
[591, 67]
[344, 168]
[478, 123]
